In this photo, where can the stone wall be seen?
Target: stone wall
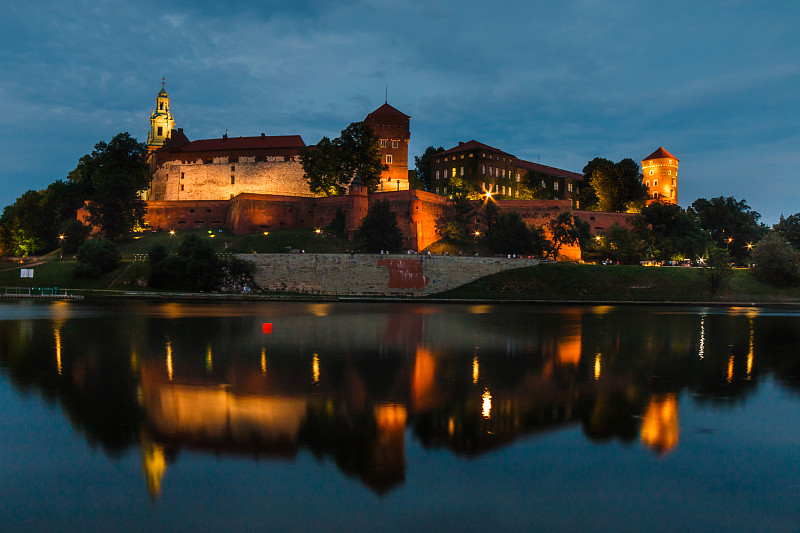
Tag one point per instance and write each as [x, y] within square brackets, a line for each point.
[600, 221]
[223, 179]
[373, 275]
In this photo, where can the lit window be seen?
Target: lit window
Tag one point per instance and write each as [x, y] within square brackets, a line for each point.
[445, 190]
[655, 183]
[669, 172]
[483, 169]
[462, 171]
[544, 185]
[647, 183]
[483, 185]
[672, 193]
[437, 190]
[490, 171]
[504, 173]
[462, 156]
[470, 155]
[383, 143]
[652, 172]
[504, 189]
[517, 177]
[497, 172]
[437, 174]
[388, 159]
[394, 144]
[555, 185]
[569, 187]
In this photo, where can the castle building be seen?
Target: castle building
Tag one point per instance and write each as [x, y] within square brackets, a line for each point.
[660, 176]
[491, 170]
[393, 130]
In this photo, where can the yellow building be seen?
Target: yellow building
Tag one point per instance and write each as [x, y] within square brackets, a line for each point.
[161, 121]
[660, 176]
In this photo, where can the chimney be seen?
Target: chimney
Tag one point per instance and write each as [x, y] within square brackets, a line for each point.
[225, 136]
[262, 135]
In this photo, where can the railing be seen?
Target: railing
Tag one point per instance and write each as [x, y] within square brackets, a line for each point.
[38, 292]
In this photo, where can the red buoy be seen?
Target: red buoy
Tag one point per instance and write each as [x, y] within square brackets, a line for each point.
[266, 327]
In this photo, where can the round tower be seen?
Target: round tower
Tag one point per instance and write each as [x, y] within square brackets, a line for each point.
[161, 121]
[359, 204]
[660, 176]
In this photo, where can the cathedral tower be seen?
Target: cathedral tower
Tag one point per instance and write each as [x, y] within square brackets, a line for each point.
[161, 121]
[660, 176]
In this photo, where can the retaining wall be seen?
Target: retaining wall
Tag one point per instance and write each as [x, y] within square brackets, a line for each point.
[373, 275]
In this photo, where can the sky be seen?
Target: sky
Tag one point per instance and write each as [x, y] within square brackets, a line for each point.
[714, 82]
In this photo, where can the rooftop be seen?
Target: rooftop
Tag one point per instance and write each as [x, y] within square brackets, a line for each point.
[661, 154]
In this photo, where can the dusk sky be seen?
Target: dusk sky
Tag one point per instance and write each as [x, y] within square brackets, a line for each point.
[717, 83]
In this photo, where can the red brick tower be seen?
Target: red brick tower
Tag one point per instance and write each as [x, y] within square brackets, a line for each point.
[392, 128]
[660, 176]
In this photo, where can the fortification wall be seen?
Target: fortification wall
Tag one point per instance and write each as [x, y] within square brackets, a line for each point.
[373, 275]
[600, 221]
[186, 215]
[419, 215]
[222, 180]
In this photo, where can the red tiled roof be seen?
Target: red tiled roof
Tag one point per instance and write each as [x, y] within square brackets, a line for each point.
[243, 143]
[473, 145]
[550, 171]
[661, 154]
[387, 110]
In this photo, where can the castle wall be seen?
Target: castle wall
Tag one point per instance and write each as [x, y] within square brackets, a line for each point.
[419, 215]
[199, 214]
[600, 221]
[224, 178]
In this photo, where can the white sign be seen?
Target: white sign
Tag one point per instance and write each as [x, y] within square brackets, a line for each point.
[26, 273]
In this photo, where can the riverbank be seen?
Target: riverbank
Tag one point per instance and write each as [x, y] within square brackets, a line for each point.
[517, 283]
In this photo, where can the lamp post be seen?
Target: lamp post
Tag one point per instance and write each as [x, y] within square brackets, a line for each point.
[171, 235]
[61, 246]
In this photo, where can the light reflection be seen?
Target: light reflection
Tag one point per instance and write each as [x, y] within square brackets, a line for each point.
[660, 423]
[487, 404]
[320, 309]
[729, 377]
[751, 352]
[169, 359]
[57, 335]
[315, 369]
[451, 426]
[702, 350]
[264, 361]
[597, 366]
[479, 309]
[209, 360]
[475, 369]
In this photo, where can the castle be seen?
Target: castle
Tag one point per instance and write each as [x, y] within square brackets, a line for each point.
[660, 176]
[256, 184]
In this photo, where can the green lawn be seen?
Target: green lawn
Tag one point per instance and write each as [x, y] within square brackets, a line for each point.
[565, 281]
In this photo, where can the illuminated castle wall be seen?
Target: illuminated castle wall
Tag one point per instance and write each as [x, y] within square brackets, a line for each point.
[660, 176]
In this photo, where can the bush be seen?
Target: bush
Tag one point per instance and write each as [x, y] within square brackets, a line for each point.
[776, 262]
[195, 267]
[97, 258]
[74, 233]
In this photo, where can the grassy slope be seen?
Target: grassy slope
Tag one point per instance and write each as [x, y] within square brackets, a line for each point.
[559, 282]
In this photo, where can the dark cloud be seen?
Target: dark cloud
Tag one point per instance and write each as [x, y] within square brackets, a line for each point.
[714, 82]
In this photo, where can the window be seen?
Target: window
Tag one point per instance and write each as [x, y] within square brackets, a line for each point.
[462, 156]
[555, 185]
[673, 182]
[504, 189]
[383, 143]
[672, 193]
[483, 170]
[394, 144]
[160, 129]
[454, 172]
[182, 175]
[233, 168]
[497, 172]
[490, 171]
[233, 180]
[504, 173]
[569, 187]
[647, 183]
[517, 177]
[544, 185]
[461, 171]
[191, 210]
[669, 172]
[388, 159]
[470, 155]
[445, 190]
[437, 190]
[483, 185]
[181, 186]
[437, 174]
[655, 183]
[652, 172]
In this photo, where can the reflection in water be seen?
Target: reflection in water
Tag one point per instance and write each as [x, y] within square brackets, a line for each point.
[388, 370]
[660, 423]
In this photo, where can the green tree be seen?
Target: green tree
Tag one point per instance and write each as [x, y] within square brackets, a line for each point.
[96, 258]
[789, 229]
[27, 226]
[731, 224]
[332, 164]
[563, 232]
[74, 234]
[717, 271]
[776, 262]
[194, 267]
[670, 233]
[379, 229]
[614, 187]
[423, 165]
[509, 234]
[531, 188]
[617, 244]
[114, 175]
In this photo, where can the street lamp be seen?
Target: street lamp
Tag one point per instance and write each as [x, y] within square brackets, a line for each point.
[61, 245]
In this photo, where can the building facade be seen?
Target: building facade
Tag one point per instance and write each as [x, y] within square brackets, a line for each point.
[393, 130]
[490, 170]
[660, 176]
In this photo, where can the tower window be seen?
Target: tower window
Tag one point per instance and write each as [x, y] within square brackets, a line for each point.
[394, 144]
[388, 159]
[182, 175]
[160, 131]
[181, 186]
[233, 168]
[383, 143]
[233, 179]
[462, 171]
[655, 183]
[161, 106]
